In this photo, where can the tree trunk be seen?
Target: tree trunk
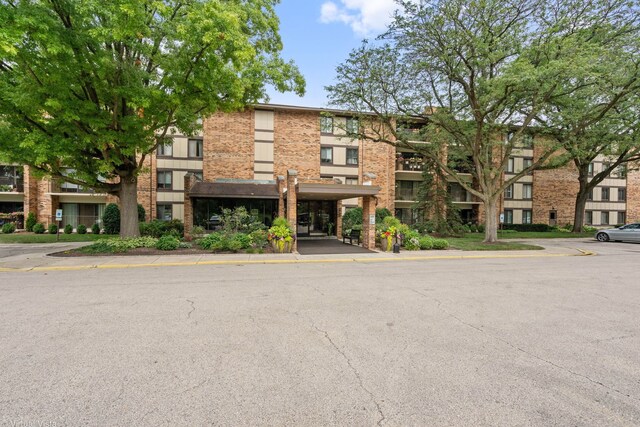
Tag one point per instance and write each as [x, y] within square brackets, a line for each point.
[129, 226]
[491, 221]
[581, 198]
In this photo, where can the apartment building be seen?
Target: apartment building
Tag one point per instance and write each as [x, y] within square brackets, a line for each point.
[297, 161]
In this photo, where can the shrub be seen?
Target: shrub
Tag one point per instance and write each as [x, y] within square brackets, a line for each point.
[351, 218]
[38, 228]
[121, 245]
[258, 239]
[142, 214]
[8, 228]
[68, 229]
[111, 219]
[440, 244]
[412, 243]
[280, 221]
[426, 242]
[589, 229]
[528, 227]
[480, 228]
[31, 221]
[167, 243]
[197, 230]
[53, 229]
[95, 228]
[212, 242]
[243, 239]
[381, 214]
[158, 228]
[81, 229]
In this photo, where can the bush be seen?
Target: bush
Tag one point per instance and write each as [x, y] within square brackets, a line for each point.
[81, 229]
[142, 214]
[68, 229]
[8, 228]
[167, 243]
[426, 242]
[527, 227]
[440, 244]
[381, 214]
[38, 228]
[158, 228]
[258, 239]
[480, 228]
[95, 228]
[243, 239]
[351, 218]
[213, 242]
[121, 245]
[111, 219]
[31, 221]
[53, 229]
[589, 229]
[197, 230]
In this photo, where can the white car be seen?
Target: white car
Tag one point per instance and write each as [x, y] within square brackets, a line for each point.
[625, 233]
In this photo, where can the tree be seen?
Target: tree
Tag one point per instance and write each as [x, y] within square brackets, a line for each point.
[475, 77]
[89, 88]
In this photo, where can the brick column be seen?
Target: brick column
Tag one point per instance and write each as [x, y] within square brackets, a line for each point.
[292, 202]
[189, 180]
[30, 193]
[338, 227]
[368, 229]
[282, 183]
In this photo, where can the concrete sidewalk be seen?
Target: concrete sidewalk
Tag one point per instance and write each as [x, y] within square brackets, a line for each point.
[38, 259]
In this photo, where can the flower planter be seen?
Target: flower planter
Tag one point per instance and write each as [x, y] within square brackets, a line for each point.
[282, 246]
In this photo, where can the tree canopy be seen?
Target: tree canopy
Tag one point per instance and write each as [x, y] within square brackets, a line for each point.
[89, 88]
[478, 76]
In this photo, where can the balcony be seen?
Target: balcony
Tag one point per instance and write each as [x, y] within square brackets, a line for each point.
[68, 188]
[406, 195]
[11, 179]
[409, 162]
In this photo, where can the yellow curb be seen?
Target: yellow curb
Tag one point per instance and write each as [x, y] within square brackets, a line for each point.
[288, 261]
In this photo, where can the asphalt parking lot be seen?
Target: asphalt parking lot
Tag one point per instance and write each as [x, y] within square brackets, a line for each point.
[492, 341]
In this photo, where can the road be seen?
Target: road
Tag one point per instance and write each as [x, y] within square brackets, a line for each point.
[534, 341]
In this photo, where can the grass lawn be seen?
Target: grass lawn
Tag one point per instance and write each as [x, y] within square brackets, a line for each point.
[473, 241]
[49, 238]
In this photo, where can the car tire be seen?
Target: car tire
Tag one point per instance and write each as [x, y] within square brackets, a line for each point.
[602, 237]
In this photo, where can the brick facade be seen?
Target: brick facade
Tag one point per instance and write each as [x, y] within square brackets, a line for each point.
[633, 196]
[228, 146]
[297, 143]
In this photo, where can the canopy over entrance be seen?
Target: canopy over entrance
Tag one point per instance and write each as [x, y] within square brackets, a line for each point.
[309, 191]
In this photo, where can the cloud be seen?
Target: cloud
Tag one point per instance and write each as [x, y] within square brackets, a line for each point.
[365, 17]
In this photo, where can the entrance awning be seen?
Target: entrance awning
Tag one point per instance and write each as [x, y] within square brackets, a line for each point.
[244, 190]
[307, 191]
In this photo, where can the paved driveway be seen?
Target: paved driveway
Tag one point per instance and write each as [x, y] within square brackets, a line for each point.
[539, 341]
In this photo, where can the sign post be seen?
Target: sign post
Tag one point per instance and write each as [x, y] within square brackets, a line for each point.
[501, 221]
[58, 220]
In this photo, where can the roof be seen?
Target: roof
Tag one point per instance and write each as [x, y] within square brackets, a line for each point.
[246, 190]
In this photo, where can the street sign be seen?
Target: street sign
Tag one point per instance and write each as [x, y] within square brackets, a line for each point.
[58, 214]
[501, 218]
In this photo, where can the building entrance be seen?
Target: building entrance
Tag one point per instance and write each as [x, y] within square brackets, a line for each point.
[316, 218]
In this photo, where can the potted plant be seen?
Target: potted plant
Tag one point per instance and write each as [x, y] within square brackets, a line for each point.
[389, 233]
[281, 236]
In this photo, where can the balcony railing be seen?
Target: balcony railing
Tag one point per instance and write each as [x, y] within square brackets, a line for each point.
[56, 187]
[406, 195]
[11, 184]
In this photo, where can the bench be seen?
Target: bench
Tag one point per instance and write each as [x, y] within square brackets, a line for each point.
[351, 236]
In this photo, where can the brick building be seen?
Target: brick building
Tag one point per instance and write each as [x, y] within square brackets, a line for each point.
[256, 159]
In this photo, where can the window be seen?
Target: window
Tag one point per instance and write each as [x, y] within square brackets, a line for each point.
[352, 125]
[510, 164]
[527, 191]
[326, 155]
[164, 180]
[165, 212]
[165, 149]
[604, 195]
[195, 148]
[351, 181]
[622, 217]
[604, 218]
[326, 124]
[620, 172]
[588, 217]
[527, 216]
[622, 194]
[590, 195]
[527, 162]
[198, 175]
[508, 192]
[590, 169]
[508, 216]
[11, 178]
[352, 156]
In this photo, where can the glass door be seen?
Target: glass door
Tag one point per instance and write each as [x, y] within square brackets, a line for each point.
[304, 219]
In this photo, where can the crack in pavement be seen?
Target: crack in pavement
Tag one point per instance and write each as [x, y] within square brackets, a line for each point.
[193, 308]
[355, 372]
[200, 384]
[520, 349]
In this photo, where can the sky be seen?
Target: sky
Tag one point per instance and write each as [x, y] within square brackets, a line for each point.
[318, 36]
